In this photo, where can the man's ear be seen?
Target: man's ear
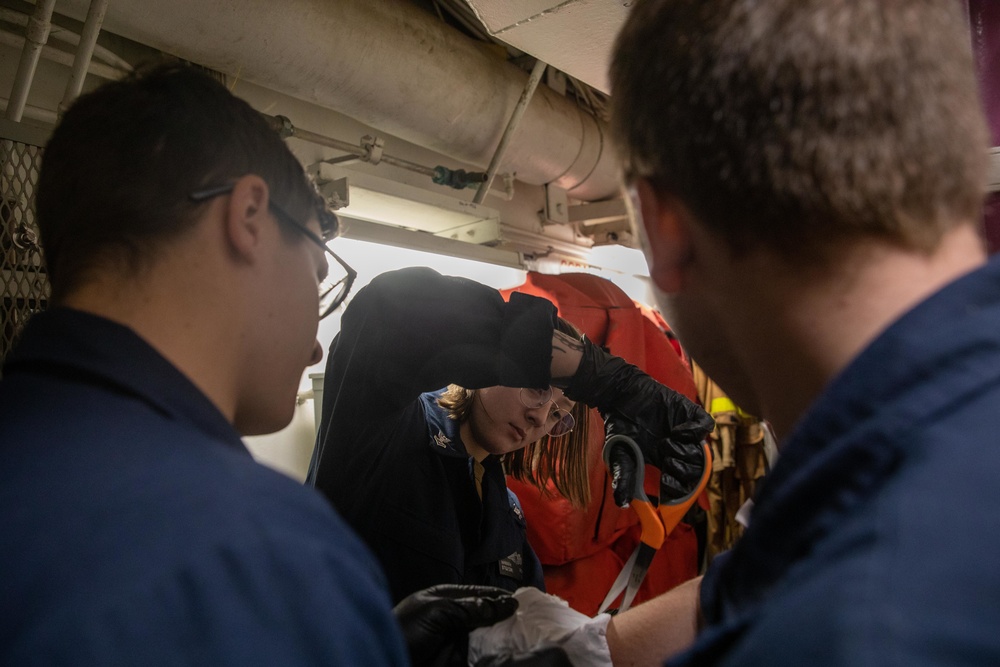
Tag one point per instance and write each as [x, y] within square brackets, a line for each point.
[247, 215]
[668, 237]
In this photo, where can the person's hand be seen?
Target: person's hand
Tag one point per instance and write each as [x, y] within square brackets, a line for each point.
[540, 656]
[679, 456]
[436, 621]
[667, 426]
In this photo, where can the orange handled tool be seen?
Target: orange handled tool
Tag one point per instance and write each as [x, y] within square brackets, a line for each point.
[656, 522]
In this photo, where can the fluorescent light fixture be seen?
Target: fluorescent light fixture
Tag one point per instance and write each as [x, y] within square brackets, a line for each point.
[389, 235]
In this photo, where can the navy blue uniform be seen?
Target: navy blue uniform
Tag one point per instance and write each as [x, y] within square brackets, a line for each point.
[873, 541]
[135, 528]
[389, 459]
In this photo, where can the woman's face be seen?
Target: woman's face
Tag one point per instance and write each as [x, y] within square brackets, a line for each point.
[500, 423]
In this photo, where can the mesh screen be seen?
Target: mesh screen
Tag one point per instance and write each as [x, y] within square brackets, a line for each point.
[23, 281]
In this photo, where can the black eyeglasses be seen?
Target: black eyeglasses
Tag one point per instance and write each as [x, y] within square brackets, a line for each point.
[332, 293]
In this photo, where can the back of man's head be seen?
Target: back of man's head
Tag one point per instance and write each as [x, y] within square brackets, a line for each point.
[801, 124]
[117, 173]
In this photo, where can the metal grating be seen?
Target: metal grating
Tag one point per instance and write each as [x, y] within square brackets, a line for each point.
[24, 285]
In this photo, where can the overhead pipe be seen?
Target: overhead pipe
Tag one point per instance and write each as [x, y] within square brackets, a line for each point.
[35, 35]
[66, 35]
[369, 150]
[55, 55]
[34, 113]
[85, 50]
[388, 64]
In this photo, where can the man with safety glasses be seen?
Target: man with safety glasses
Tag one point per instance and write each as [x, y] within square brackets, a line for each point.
[186, 253]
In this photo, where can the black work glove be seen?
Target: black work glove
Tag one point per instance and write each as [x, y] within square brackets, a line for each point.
[666, 425]
[680, 457]
[540, 656]
[436, 621]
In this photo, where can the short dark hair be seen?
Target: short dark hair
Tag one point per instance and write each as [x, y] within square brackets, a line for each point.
[117, 172]
[798, 124]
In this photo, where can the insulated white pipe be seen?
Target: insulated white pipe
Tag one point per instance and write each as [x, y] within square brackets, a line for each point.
[386, 63]
[35, 113]
[85, 51]
[49, 52]
[62, 34]
[35, 36]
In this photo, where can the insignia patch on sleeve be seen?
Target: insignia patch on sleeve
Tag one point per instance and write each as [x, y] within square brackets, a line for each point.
[512, 566]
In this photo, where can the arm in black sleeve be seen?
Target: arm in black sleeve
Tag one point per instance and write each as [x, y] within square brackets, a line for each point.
[411, 331]
[414, 330]
[612, 385]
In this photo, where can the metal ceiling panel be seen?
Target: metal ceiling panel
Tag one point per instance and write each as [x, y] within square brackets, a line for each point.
[575, 36]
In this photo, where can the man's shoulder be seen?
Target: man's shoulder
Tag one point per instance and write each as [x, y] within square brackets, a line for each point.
[846, 616]
[893, 580]
[204, 554]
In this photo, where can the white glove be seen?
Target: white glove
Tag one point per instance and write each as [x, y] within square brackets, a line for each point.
[544, 619]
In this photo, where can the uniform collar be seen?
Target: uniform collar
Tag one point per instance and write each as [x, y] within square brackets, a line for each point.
[443, 431]
[72, 343]
[500, 519]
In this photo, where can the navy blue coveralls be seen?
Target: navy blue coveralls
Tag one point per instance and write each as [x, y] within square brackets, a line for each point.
[135, 528]
[387, 456]
[874, 541]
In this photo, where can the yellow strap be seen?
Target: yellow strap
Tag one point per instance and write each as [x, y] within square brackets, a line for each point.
[722, 404]
[725, 404]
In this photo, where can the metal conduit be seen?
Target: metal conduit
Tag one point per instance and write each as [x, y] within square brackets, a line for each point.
[55, 55]
[515, 119]
[67, 36]
[85, 51]
[35, 36]
[35, 113]
[285, 128]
